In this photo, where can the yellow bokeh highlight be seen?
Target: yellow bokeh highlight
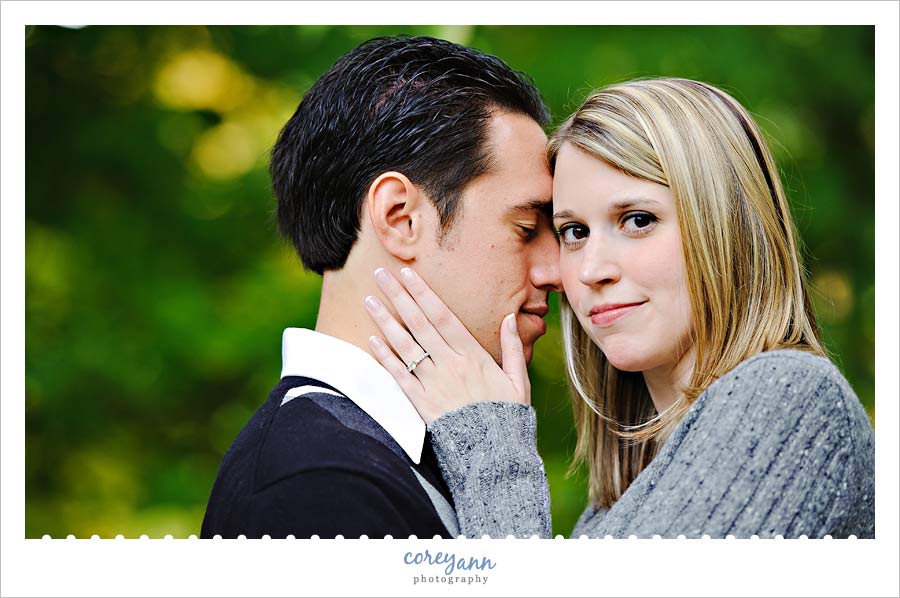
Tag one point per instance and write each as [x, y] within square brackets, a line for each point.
[252, 113]
[95, 474]
[49, 257]
[226, 151]
[201, 79]
[242, 140]
[832, 295]
[459, 34]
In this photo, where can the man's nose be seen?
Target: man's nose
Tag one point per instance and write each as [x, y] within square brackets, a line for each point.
[545, 264]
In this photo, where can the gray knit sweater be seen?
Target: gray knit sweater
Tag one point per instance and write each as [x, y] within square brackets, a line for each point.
[779, 445]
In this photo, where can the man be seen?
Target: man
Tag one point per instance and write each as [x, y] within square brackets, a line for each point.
[407, 152]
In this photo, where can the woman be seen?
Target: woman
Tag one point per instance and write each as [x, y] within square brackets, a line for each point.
[703, 398]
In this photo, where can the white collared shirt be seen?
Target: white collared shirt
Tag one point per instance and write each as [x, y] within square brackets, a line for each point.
[360, 377]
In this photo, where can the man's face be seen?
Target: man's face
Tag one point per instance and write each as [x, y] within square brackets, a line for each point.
[500, 255]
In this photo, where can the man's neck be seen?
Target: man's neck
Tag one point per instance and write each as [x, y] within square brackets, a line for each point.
[341, 310]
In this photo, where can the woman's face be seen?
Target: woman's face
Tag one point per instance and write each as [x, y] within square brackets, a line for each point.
[621, 262]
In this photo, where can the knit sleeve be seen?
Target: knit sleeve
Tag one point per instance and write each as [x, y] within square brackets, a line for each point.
[488, 456]
[780, 445]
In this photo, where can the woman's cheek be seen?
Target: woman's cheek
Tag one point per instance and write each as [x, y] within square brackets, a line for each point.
[568, 274]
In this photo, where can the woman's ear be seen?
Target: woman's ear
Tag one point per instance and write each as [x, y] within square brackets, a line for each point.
[397, 211]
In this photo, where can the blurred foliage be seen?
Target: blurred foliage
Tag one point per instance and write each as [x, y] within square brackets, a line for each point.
[157, 287]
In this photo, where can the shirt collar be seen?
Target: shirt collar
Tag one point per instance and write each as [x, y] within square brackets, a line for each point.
[360, 377]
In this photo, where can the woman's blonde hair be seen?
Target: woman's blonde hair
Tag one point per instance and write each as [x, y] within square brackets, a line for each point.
[742, 265]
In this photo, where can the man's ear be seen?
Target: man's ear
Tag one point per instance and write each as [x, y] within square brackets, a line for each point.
[397, 210]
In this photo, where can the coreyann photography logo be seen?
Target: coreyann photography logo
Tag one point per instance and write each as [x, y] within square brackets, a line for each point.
[447, 568]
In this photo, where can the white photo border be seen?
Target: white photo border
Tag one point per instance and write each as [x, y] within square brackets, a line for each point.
[376, 567]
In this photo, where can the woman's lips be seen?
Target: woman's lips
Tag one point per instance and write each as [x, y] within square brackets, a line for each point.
[607, 315]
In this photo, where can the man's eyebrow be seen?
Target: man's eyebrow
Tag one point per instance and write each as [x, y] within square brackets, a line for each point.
[543, 204]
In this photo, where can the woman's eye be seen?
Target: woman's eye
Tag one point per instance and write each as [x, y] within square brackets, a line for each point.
[571, 234]
[638, 222]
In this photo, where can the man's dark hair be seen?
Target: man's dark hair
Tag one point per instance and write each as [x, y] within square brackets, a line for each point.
[416, 105]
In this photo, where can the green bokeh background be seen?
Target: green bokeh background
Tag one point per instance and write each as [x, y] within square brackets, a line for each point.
[157, 287]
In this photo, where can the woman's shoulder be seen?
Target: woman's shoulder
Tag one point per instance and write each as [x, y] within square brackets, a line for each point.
[787, 361]
[791, 383]
[793, 372]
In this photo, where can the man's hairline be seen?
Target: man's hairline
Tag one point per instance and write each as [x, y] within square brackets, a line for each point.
[495, 110]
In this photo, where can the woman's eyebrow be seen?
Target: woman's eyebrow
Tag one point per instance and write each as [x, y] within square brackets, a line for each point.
[624, 204]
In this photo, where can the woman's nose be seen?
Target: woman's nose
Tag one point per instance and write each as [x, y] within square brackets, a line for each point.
[599, 263]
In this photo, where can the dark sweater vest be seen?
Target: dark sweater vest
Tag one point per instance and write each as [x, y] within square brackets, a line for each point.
[319, 465]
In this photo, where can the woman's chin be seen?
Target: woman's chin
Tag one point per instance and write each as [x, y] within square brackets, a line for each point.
[626, 366]
[628, 361]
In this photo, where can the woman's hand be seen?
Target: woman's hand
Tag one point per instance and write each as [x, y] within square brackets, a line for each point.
[457, 370]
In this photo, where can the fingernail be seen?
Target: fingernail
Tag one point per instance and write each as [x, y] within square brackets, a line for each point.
[407, 274]
[381, 275]
[376, 342]
[511, 323]
[372, 303]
